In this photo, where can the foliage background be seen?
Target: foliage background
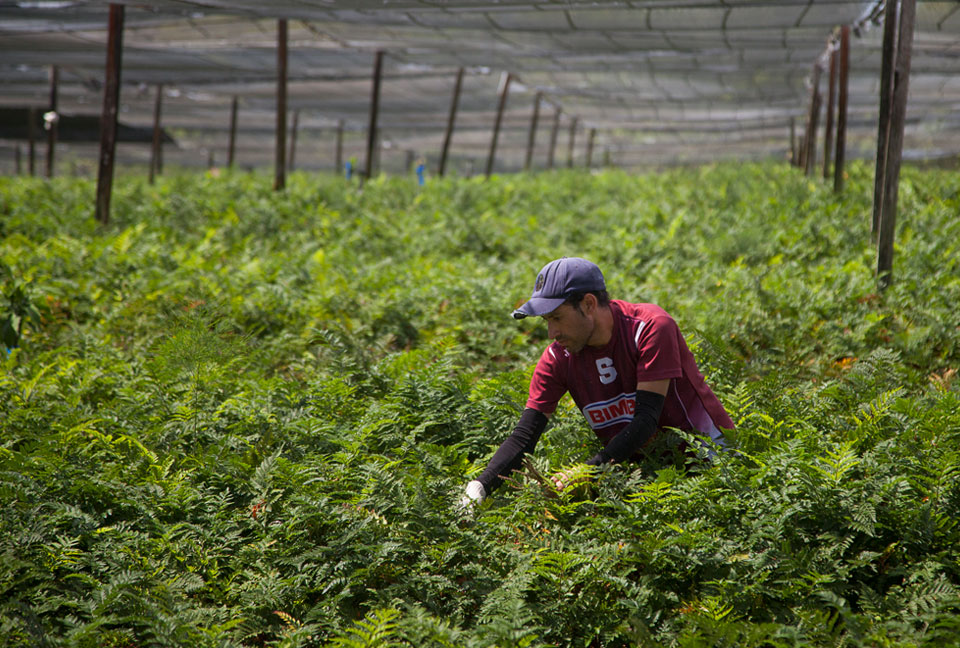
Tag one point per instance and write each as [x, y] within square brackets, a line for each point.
[241, 418]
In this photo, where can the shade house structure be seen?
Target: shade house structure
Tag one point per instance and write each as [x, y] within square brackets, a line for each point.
[469, 86]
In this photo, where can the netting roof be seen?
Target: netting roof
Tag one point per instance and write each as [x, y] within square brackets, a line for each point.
[661, 81]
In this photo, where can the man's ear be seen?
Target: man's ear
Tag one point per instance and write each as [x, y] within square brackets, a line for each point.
[590, 302]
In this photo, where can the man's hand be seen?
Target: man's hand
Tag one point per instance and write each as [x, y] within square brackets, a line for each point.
[473, 497]
[572, 477]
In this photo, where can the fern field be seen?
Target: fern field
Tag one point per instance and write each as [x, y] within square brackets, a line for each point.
[236, 418]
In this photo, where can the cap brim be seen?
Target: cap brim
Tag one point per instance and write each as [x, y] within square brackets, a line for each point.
[538, 306]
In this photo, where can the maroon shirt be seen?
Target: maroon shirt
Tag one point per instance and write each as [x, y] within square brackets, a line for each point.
[646, 345]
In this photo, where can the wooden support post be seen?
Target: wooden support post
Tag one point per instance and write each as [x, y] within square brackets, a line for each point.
[338, 153]
[17, 156]
[532, 136]
[590, 138]
[451, 119]
[810, 156]
[883, 122]
[828, 126]
[374, 112]
[32, 141]
[280, 174]
[898, 113]
[293, 140]
[501, 104]
[157, 132]
[553, 137]
[51, 119]
[573, 134]
[842, 108]
[108, 119]
[232, 143]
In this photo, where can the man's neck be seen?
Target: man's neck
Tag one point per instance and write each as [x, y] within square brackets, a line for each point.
[603, 329]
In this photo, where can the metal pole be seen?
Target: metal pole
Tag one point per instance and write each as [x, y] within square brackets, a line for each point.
[553, 137]
[293, 139]
[157, 140]
[501, 104]
[531, 138]
[374, 112]
[232, 143]
[573, 132]
[898, 113]
[280, 175]
[883, 123]
[51, 119]
[108, 119]
[448, 135]
[828, 127]
[590, 138]
[842, 108]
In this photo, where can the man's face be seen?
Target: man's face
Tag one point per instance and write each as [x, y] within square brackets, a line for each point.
[571, 327]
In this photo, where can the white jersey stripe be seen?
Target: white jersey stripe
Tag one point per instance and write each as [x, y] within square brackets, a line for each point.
[636, 338]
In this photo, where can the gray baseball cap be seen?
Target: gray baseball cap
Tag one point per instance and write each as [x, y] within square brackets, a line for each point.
[557, 281]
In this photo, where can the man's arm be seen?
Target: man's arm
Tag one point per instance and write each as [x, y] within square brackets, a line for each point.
[649, 403]
[546, 389]
[508, 456]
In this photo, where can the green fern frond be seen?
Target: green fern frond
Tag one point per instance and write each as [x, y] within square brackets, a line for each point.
[838, 464]
[376, 630]
[923, 596]
[864, 518]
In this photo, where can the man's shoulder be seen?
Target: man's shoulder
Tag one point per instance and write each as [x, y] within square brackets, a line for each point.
[644, 312]
[554, 353]
[643, 321]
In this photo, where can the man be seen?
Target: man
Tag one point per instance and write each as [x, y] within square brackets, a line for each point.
[626, 366]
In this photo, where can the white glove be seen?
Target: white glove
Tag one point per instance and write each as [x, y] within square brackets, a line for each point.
[474, 496]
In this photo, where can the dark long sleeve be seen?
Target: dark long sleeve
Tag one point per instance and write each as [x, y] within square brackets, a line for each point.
[637, 433]
[508, 456]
